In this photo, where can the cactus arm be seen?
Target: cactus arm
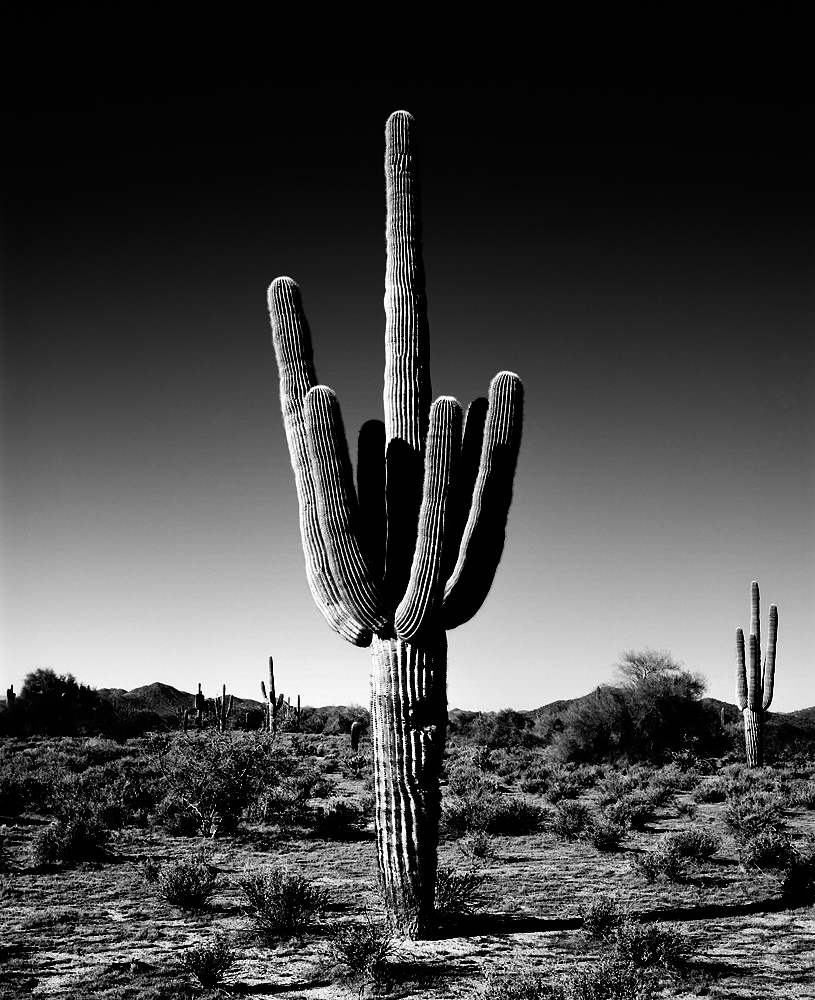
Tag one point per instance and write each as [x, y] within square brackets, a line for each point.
[292, 344]
[753, 674]
[371, 494]
[337, 509]
[471, 442]
[407, 351]
[441, 460]
[768, 678]
[755, 617]
[482, 543]
[741, 673]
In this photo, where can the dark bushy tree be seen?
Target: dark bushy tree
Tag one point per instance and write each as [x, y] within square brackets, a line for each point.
[656, 711]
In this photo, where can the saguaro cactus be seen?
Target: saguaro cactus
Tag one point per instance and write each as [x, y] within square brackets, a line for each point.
[273, 704]
[200, 707]
[412, 551]
[223, 710]
[754, 682]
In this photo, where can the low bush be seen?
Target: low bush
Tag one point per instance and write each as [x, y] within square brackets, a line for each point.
[338, 819]
[515, 817]
[209, 961]
[607, 979]
[282, 903]
[601, 917]
[570, 819]
[604, 834]
[360, 952]
[754, 813]
[477, 847]
[767, 849]
[651, 946]
[490, 813]
[687, 808]
[695, 844]
[457, 892]
[662, 863]
[634, 810]
[710, 790]
[188, 883]
[803, 794]
[80, 838]
[508, 984]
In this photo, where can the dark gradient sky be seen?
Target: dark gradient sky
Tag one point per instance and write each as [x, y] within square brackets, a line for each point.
[632, 236]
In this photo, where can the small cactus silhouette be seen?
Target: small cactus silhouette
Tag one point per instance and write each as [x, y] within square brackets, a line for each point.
[754, 682]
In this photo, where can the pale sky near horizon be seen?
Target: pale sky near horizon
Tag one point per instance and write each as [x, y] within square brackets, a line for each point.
[649, 281]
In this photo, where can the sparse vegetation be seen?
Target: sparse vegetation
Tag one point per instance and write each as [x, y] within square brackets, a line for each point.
[280, 902]
[209, 961]
[188, 883]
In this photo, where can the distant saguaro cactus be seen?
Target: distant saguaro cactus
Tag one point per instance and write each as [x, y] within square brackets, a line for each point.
[273, 704]
[200, 707]
[223, 710]
[11, 697]
[413, 550]
[754, 682]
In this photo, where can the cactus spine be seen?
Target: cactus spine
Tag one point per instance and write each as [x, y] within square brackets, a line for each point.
[273, 704]
[754, 682]
[413, 550]
[223, 709]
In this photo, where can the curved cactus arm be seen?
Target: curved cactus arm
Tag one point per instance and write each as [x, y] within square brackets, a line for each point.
[292, 344]
[471, 442]
[337, 509]
[371, 493]
[755, 617]
[768, 678]
[753, 674]
[415, 612]
[741, 673]
[483, 541]
[407, 350]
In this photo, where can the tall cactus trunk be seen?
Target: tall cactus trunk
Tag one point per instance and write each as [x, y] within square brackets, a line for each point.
[754, 737]
[408, 728]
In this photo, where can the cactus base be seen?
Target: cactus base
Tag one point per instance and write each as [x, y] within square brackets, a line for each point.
[408, 729]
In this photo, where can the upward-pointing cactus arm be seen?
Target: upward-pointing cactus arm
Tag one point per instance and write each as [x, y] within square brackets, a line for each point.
[768, 678]
[292, 344]
[483, 540]
[741, 671]
[416, 611]
[337, 509]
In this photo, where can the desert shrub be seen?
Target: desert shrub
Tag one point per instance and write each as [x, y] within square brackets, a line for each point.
[710, 790]
[209, 961]
[651, 945]
[338, 819]
[658, 793]
[280, 902]
[80, 838]
[601, 917]
[356, 765]
[695, 844]
[769, 848]
[477, 846]
[509, 984]
[514, 817]
[753, 813]
[533, 786]
[798, 887]
[458, 892]
[633, 810]
[464, 779]
[188, 883]
[213, 777]
[610, 979]
[150, 870]
[616, 786]
[504, 729]
[803, 794]
[570, 819]
[490, 813]
[6, 862]
[687, 808]
[663, 863]
[604, 834]
[360, 952]
[679, 779]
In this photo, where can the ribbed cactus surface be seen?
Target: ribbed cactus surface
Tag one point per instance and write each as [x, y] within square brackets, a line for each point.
[754, 680]
[412, 547]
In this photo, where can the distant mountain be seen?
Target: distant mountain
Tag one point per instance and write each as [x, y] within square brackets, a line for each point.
[165, 700]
